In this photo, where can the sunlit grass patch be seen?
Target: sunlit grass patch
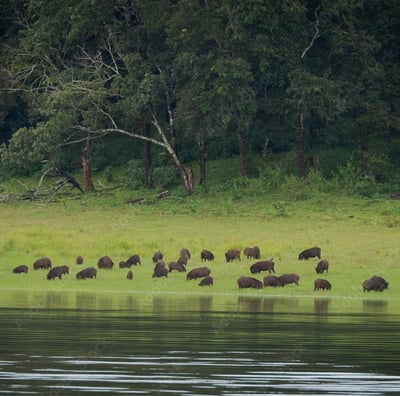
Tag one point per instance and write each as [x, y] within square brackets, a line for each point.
[354, 236]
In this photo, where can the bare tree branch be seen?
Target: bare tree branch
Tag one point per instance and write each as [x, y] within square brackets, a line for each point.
[109, 116]
[83, 139]
[111, 49]
[154, 121]
[105, 131]
[316, 34]
[91, 61]
[96, 62]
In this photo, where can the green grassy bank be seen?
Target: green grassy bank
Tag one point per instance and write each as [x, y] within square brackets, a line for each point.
[359, 237]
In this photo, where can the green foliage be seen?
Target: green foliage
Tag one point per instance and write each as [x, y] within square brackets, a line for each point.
[135, 174]
[165, 176]
[352, 180]
[23, 154]
[270, 174]
[297, 189]
[78, 69]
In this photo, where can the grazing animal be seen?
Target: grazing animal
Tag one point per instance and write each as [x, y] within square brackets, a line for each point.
[182, 260]
[21, 269]
[206, 255]
[159, 264]
[267, 265]
[252, 252]
[160, 272]
[129, 275]
[199, 272]
[90, 272]
[245, 282]
[232, 254]
[272, 280]
[176, 266]
[123, 264]
[134, 260]
[287, 279]
[375, 283]
[79, 260]
[322, 266]
[55, 272]
[322, 284]
[42, 263]
[157, 256]
[185, 253]
[207, 281]
[309, 253]
[64, 269]
[105, 262]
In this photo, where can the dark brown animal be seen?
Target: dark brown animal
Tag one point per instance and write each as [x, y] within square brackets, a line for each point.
[199, 272]
[272, 280]
[232, 254]
[206, 255]
[252, 252]
[134, 260]
[90, 272]
[322, 266]
[79, 260]
[185, 253]
[123, 264]
[174, 266]
[42, 263]
[322, 284]
[287, 279]
[160, 272]
[157, 256]
[64, 269]
[309, 253]
[207, 281]
[376, 283]
[55, 272]
[129, 275]
[267, 265]
[105, 262]
[245, 282]
[21, 269]
[159, 264]
[182, 260]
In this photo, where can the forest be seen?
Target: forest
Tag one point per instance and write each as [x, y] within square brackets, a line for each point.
[168, 85]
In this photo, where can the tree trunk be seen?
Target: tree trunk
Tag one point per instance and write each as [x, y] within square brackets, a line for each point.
[87, 173]
[300, 148]
[265, 149]
[186, 174]
[147, 155]
[189, 178]
[172, 130]
[242, 154]
[202, 159]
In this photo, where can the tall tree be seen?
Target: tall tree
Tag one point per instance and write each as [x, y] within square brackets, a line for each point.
[303, 71]
[98, 73]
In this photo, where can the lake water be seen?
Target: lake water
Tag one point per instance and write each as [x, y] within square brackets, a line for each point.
[197, 345]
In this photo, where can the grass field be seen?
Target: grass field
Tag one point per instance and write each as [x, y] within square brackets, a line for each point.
[359, 238]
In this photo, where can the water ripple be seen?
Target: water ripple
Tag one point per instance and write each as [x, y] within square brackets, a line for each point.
[186, 374]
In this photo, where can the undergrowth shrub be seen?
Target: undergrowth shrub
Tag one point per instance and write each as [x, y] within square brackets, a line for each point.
[270, 175]
[350, 179]
[165, 176]
[135, 174]
[298, 189]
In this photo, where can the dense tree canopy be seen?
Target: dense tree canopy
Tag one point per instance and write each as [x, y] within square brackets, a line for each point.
[198, 79]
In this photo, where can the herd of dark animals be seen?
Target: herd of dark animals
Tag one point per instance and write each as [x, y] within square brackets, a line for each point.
[161, 269]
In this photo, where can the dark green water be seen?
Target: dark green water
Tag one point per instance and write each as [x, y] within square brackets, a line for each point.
[193, 345]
